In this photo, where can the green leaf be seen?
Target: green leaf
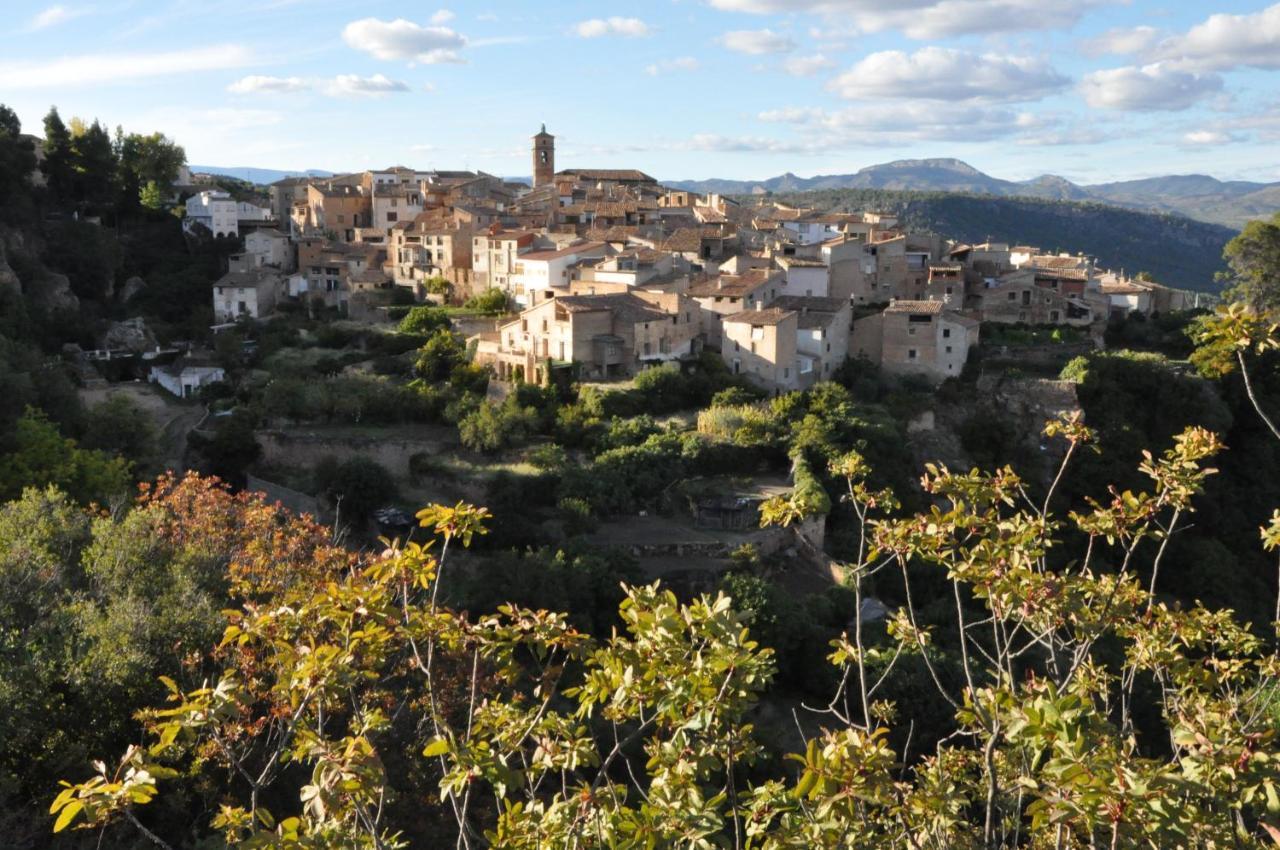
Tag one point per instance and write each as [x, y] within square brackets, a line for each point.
[436, 747]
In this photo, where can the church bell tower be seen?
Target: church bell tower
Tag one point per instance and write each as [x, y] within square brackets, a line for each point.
[544, 157]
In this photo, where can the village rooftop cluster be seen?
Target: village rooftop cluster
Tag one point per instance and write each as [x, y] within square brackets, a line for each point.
[608, 272]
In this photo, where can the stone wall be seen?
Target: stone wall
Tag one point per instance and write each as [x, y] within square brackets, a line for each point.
[304, 449]
[298, 502]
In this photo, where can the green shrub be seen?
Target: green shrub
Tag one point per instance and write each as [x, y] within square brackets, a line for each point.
[576, 515]
[492, 302]
[424, 321]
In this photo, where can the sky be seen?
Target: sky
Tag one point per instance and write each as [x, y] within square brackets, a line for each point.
[1093, 90]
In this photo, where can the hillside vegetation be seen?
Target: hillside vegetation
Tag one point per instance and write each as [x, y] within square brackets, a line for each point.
[1177, 251]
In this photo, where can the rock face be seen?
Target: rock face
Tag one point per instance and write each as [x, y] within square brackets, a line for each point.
[52, 292]
[131, 335]
[8, 277]
[44, 290]
[130, 288]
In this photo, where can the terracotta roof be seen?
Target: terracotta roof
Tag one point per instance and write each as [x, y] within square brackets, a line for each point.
[732, 285]
[253, 278]
[1055, 262]
[341, 190]
[576, 248]
[767, 316]
[1060, 274]
[916, 308]
[1123, 288]
[270, 231]
[810, 302]
[617, 233]
[607, 174]
[801, 262]
[626, 308]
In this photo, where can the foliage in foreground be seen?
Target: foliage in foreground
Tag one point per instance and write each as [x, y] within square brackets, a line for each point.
[539, 736]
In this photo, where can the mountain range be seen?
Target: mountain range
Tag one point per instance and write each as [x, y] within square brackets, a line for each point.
[260, 176]
[1197, 196]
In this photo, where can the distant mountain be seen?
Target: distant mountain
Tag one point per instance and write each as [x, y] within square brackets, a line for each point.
[1177, 250]
[1197, 196]
[261, 176]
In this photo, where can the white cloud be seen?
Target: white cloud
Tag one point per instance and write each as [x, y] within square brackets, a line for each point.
[343, 85]
[255, 84]
[443, 17]
[596, 27]
[1208, 138]
[1121, 41]
[757, 42]
[1223, 42]
[716, 143]
[939, 73]
[807, 66]
[106, 68]
[353, 85]
[926, 19]
[909, 121]
[53, 16]
[402, 40]
[667, 66]
[1158, 86]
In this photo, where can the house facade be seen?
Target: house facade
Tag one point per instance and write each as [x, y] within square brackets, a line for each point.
[916, 337]
[246, 294]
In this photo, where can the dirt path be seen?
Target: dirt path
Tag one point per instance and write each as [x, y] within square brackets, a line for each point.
[172, 418]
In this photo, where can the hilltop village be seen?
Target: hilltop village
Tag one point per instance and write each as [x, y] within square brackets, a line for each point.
[606, 272]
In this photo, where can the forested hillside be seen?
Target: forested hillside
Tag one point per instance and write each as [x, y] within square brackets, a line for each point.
[1178, 251]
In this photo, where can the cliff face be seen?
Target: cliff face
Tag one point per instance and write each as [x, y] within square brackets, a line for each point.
[23, 271]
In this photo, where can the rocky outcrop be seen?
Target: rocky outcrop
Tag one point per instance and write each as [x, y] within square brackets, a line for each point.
[8, 277]
[130, 335]
[130, 288]
[51, 291]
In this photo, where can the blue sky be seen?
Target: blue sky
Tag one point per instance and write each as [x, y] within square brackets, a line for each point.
[1094, 90]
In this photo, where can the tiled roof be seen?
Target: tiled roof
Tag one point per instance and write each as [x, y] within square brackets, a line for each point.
[810, 302]
[1060, 274]
[767, 316]
[253, 278]
[1123, 288]
[732, 285]
[916, 308]
[801, 262]
[577, 248]
[626, 308]
[1055, 262]
[607, 174]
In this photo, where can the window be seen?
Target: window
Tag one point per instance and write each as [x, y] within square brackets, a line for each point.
[753, 348]
[948, 349]
[786, 372]
[737, 346]
[911, 354]
[911, 331]
[342, 219]
[1013, 296]
[391, 216]
[946, 333]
